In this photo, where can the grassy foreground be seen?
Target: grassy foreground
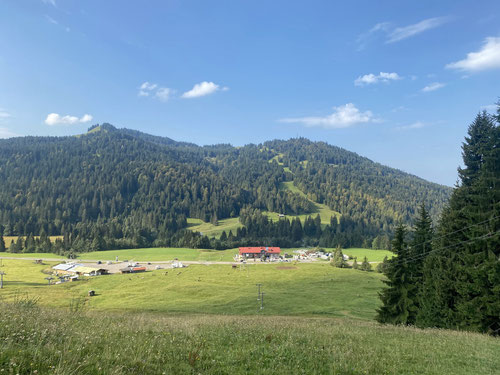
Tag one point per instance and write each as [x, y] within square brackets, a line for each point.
[35, 340]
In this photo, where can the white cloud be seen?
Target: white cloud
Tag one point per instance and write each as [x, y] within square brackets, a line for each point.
[163, 93]
[343, 116]
[368, 79]
[56, 119]
[488, 57]
[415, 125]
[4, 114]
[152, 89]
[400, 33]
[433, 87]
[489, 107]
[146, 88]
[202, 89]
[6, 133]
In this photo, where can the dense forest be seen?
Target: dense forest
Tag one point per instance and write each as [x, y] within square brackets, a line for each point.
[448, 276]
[112, 188]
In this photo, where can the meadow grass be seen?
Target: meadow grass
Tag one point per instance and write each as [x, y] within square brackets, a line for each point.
[290, 289]
[170, 253]
[371, 255]
[211, 230]
[162, 254]
[36, 340]
[9, 239]
[30, 255]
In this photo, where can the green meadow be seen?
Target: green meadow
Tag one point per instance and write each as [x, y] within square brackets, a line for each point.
[206, 320]
[211, 230]
[290, 289]
[204, 255]
[8, 239]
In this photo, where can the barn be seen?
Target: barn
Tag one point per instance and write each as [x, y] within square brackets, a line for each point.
[261, 252]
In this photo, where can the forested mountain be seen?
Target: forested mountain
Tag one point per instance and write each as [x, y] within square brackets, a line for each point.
[126, 185]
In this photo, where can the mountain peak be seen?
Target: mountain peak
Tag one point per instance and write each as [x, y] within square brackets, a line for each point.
[103, 127]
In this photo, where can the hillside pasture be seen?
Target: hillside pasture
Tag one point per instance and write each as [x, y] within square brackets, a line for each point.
[211, 230]
[293, 289]
[8, 239]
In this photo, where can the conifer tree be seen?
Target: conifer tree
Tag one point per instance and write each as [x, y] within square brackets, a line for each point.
[355, 264]
[2, 244]
[365, 266]
[462, 278]
[420, 247]
[397, 306]
[338, 258]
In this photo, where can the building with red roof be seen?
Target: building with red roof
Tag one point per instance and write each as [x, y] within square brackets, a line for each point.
[260, 252]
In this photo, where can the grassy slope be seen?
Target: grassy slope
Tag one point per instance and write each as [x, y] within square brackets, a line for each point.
[211, 230]
[60, 342]
[306, 289]
[208, 229]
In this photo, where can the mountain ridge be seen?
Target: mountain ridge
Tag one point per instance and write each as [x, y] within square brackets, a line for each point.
[132, 180]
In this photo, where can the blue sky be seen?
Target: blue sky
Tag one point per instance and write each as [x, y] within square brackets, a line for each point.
[396, 81]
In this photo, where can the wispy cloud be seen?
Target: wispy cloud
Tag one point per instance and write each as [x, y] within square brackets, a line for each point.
[51, 20]
[365, 38]
[343, 116]
[202, 89]
[488, 57]
[154, 90]
[56, 119]
[401, 33]
[395, 34]
[6, 133]
[371, 78]
[146, 88]
[163, 93]
[4, 114]
[433, 86]
[489, 107]
[415, 125]
[50, 2]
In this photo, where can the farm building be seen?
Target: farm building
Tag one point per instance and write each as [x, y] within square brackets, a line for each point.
[77, 269]
[260, 252]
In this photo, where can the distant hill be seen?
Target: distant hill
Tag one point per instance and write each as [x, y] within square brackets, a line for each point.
[137, 180]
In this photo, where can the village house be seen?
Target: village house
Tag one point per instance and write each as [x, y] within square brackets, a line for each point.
[261, 252]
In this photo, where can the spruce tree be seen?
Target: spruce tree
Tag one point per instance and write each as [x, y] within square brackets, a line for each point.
[338, 258]
[420, 247]
[396, 305]
[461, 286]
[365, 266]
[2, 244]
[355, 264]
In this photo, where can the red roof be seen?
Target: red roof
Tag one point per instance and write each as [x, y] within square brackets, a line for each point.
[258, 250]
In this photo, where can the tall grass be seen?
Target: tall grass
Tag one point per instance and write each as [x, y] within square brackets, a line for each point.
[35, 340]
